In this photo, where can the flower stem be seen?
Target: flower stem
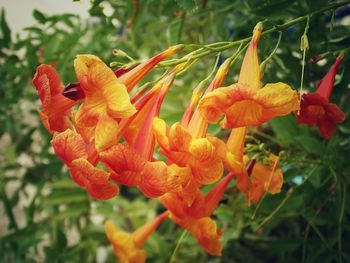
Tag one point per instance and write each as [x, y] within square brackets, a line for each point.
[221, 46]
[173, 258]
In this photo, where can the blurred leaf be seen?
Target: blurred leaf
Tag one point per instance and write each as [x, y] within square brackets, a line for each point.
[39, 16]
[5, 38]
[187, 5]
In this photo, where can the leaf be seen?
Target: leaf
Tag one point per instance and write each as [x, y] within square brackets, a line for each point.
[187, 5]
[5, 30]
[40, 17]
[272, 9]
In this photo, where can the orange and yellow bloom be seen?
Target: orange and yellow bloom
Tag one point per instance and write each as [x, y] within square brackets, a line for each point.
[246, 103]
[196, 217]
[55, 107]
[108, 138]
[71, 148]
[127, 246]
[264, 178]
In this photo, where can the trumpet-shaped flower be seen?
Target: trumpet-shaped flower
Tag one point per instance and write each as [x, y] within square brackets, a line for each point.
[70, 147]
[264, 178]
[132, 163]
[130, 77]
[196, 217]
[127, 246]
[203, 155]
[317, 110]
[106, 101]
[55, 107]
[187, 145]
[245, 103]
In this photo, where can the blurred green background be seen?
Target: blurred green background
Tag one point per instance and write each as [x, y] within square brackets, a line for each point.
[45, 217]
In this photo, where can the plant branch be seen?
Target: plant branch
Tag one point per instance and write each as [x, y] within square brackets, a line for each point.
[221, 46]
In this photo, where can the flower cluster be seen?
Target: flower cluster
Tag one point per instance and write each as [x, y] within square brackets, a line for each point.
[107, 137]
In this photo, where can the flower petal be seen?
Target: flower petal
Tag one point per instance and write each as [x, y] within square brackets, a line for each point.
[105, 133]
[208, 236]
[161, 133]
[69, 146]
[95, 180]
[158, 179]
[97, 79]
[278, 99]
[56, 107]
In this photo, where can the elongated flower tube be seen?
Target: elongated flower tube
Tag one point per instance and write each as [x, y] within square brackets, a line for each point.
[106, 101]
[246, 103]
[196, 217]
[234, 157]
[70, 147]
[129, 77]
[317, 110]
[127, 246]
[132, 163]
[55, 107]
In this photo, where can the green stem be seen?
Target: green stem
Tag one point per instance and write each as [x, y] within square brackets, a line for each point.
[221, 46]
[9, 212]
[263, 64]
[270, 216]
[340, 221]
[306, 236]
[173, 258]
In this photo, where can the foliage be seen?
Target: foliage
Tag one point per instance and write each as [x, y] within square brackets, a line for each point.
[45, 217]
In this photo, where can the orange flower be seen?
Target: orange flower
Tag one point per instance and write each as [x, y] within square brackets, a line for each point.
[55, 107]
[132, 163]
[264, 178]
[106, 101]
[130, 77]
[245, 103]
[127, 247]
[187, 144]
[196, 217]
[70, 147]
[203, 155]
[315, 108]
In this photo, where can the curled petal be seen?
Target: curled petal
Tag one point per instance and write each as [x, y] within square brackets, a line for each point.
[55, 107]
[316, 110]
[120, 158]
[124, 164]
[213, 105]
[202, 149]
[265, 178]
[93, 179]
[158, 179]
[277, 99]
[179, 138]
[69, 146]
[208, 236]
[105, 97]
[245, 106]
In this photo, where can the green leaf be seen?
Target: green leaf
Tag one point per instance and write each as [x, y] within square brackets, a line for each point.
[5, 30]
[40, 17]
[187, 5]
